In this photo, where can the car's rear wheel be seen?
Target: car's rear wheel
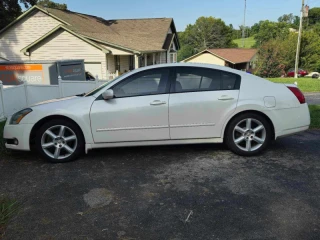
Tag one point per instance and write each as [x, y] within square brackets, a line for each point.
[60, 141]
[248, 134]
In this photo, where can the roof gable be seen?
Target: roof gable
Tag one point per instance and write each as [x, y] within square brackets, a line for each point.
[234, 55]
[137, 35]
[27, 13]
[27, 48]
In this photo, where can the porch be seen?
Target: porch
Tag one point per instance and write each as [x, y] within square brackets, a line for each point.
[120, 64]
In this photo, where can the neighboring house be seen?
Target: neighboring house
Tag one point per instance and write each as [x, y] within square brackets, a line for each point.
[293, 30]
[237, 58]
[107, 46]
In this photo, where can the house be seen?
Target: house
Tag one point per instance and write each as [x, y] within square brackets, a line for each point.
[107, 46]
[237, 58]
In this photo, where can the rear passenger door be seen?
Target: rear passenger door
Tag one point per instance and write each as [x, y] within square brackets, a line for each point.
[200, 101]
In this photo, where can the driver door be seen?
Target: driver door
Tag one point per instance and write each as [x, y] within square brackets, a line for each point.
[138, 111]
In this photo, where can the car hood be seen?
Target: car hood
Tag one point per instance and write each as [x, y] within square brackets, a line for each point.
[55, 100]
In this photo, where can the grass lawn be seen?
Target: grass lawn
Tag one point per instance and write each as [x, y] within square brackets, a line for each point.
[248, 42]
[8, 209]
[2, 147]
[304, 84]
[315, 116]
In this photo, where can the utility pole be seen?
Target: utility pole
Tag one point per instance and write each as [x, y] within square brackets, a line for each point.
[299, 42]
[244, 23]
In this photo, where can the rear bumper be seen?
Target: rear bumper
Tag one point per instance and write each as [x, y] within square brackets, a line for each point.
[292, 120]
[289, 132]
[20, 132]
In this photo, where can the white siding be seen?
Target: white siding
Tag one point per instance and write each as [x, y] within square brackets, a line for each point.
[207, 58]
[173, 46]
[23, 33]
[63, 45]
[94, 68]
[163, 57]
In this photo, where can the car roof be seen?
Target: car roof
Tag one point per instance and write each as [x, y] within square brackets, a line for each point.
[204, 65]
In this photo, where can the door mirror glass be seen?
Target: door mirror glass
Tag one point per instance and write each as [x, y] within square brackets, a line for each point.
[108, 94]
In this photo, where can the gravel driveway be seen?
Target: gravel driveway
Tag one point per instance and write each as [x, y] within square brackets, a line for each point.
[171, 192]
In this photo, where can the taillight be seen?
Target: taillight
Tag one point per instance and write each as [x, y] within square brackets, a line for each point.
[296, 91]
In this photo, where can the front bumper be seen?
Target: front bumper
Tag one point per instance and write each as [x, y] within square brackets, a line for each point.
[21, 132]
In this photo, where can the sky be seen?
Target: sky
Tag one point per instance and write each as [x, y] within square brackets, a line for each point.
[185, 12]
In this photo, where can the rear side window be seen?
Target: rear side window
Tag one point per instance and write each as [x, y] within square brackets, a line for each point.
[190, 79]
[194, 79]
[230, 81]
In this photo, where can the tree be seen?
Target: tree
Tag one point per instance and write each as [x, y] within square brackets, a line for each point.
[207, 32]
[51, 4]
[255, 28]
[185, 52]
[314, 15]
[271, 30]
[277, 56]
[310, 51]
[270, 61]
[11, 9]
[290, 19]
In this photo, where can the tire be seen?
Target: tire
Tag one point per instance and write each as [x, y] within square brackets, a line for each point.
[315, 75]
[60, 141]
[238, 135]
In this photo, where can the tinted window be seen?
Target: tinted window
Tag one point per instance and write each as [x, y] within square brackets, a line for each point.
[190, 79]
[229, 81]
[145, 83]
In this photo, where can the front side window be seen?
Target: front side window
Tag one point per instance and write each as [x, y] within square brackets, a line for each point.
[148, 82]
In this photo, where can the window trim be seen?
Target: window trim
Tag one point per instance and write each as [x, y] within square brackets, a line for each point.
[168, 82]
[174, 78]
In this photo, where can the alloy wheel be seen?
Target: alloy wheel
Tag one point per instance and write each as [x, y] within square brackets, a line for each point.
[59, 142]
[249, 134]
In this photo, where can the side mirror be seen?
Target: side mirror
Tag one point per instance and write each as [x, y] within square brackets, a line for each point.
[108, 94]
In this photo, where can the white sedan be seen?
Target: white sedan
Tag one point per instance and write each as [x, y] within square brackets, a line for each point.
[163, 104]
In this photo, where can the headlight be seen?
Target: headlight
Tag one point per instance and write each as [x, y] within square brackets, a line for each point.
[17, 117]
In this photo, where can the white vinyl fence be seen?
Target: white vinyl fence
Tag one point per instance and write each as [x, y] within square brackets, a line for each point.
[15, 98]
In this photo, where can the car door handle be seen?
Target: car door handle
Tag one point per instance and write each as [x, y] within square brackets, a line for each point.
[158, 102]
[225, 98]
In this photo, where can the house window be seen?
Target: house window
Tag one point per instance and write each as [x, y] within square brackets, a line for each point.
[173, 57]
[117, 62]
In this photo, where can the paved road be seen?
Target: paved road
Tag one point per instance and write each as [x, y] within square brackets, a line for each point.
[173, 192]
[313, 98]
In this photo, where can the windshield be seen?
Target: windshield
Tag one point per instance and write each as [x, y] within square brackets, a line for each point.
[94, 91]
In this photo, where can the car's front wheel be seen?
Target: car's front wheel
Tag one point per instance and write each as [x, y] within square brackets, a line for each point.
[248, 134]
[60, 140]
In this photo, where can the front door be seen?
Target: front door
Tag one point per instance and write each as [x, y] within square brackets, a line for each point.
[200, 101]
[138, 112]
